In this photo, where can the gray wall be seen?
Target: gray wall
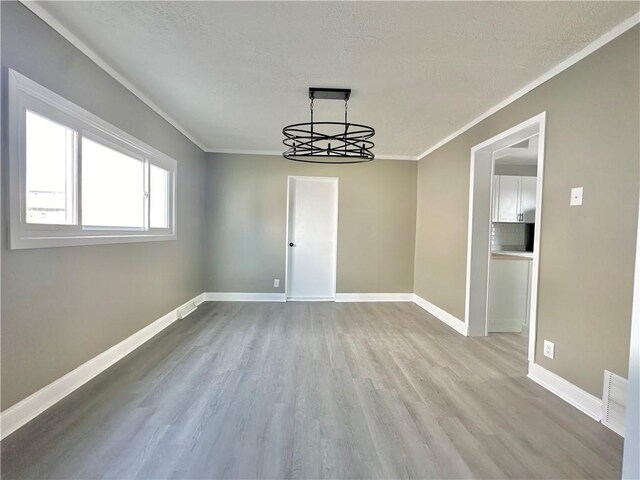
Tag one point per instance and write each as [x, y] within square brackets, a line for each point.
[587, 253]
[63, 306]
[246, 206]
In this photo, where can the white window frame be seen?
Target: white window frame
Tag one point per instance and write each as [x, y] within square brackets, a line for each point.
[25, 94]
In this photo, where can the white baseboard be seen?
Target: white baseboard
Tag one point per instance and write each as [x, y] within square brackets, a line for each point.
[310, 299]
[374, 297]
[583, 401]
[27, 409]
[455, 323]
[244, 297]
[281, 297]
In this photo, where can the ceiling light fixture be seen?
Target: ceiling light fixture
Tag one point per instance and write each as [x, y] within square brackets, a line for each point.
[329, 142]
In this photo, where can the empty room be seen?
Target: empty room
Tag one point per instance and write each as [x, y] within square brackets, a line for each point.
[320, 239]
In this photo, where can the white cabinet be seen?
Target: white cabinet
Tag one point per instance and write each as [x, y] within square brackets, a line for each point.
[514, 199]
[528, 198]
[507, 206]
[509, 290]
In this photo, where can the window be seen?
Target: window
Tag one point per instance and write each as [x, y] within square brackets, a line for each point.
[76, 180]
[51, 158]
[113, 192]
[159, 208]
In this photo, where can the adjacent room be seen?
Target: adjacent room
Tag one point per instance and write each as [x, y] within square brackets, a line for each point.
[288, 239]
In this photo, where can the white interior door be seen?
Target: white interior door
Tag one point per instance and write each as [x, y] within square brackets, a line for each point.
[312, 238]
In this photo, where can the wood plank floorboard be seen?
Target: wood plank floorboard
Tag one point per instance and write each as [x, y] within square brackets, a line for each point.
[314, 390]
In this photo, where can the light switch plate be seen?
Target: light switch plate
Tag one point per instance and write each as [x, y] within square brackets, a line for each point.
[276, 282]
[549, 349]
[576, 196]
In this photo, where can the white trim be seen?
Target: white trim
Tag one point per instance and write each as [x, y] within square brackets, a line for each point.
[630, 458]
[97, 59]
[467, 293]
[618, 384]
[240, 151]
[75, 41]
[442, 315]
[535, 264]
[281, 297]
[561, 67]
[374, 297]
[407, 158]
[243, 297]
[498, 141]
[583, 401]
[311, 299]
[278, 153]
[27, 409]
[26, 95]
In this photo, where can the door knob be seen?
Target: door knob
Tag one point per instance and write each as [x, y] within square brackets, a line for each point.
[291, 245]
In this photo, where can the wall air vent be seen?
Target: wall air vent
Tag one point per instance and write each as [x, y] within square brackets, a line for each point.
[614, 402]
[186, 309]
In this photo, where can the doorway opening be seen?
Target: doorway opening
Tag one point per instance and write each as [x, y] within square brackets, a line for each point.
[505, 212]
[312, 238]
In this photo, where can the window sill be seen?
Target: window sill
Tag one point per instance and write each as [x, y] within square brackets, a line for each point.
[22, 243]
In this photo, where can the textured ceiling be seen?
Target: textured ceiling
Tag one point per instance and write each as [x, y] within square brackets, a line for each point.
[232, 74]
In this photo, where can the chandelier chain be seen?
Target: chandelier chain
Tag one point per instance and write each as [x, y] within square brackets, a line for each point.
[346, 107]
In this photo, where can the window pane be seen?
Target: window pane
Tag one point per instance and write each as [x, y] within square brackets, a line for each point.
[50, 159]
[159, 200]
[112, 187]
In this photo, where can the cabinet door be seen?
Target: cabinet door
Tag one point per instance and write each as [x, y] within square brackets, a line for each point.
[509, 195]
[508, 295]
[528, 199]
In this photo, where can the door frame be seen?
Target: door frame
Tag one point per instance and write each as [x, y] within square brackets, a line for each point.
[479, 227]
[335, 180]
[630, 461]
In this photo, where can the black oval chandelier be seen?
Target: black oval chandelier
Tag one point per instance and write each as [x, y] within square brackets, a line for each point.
[329, 142]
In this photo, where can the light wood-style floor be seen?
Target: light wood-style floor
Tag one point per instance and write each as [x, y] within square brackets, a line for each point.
[314, 390]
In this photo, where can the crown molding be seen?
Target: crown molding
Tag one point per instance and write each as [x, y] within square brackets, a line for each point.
[278, 153]
[561, 67]
[98, 60]
[409, 158]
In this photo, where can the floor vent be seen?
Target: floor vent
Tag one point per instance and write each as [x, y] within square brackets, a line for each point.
[614, 402]
[186, 309]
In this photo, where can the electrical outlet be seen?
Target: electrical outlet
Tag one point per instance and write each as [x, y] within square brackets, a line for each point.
[549, 349]
[576, 197]
[276, 282]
